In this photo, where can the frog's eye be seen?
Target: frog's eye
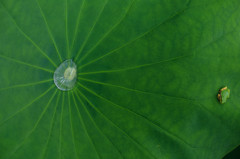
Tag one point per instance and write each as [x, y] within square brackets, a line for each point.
[65, 75]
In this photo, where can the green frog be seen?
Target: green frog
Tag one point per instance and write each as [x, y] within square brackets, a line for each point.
[223, 94]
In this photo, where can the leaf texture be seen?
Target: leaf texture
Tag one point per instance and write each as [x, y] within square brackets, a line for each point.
[148, 75]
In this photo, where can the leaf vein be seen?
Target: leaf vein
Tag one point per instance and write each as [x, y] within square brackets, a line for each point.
[89, 34]
[34, 128]
[110, 30]
[28, 105]
[26, 85]
[84, 126]
[71, 124]
[28, 38]
[51, 127]
[135, 90]
[133, 67]
[49, 30]
[155, 124]
[132, 41]
[95, 124]
[77, 23]
[107, 119]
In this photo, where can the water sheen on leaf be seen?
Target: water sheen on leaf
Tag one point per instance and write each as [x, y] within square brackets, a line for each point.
[147, 76]
[65, 76]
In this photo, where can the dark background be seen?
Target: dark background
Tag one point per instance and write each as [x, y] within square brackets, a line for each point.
[235, 154]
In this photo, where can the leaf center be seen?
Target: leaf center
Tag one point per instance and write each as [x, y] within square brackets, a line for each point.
[65, 76]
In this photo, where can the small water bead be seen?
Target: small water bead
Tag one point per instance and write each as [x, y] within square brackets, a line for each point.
[65, 76]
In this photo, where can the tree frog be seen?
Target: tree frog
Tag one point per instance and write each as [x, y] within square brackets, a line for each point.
[223, 94]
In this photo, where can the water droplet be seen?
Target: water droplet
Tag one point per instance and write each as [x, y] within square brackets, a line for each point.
[65, 76]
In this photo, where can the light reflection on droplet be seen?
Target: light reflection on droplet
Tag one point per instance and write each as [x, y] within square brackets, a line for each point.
[65, 76]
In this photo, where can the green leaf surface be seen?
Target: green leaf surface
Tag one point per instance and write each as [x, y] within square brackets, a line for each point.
[148, 76]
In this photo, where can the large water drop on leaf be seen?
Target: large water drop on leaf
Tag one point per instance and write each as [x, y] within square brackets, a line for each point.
[65, 76]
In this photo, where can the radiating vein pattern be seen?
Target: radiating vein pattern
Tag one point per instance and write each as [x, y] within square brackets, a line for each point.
[135, 90]
[89, 34]
[110, 30]
[151, 122]
[24, 63]
[51, 127]
[83, 124]
[35, 126]
[28, 38]
[77, 23]
[26, 85]
[146, 79]
[133, 40]
[91, 118]
[133, 67]
[28, 105]
[49, 31]
[107, 119]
